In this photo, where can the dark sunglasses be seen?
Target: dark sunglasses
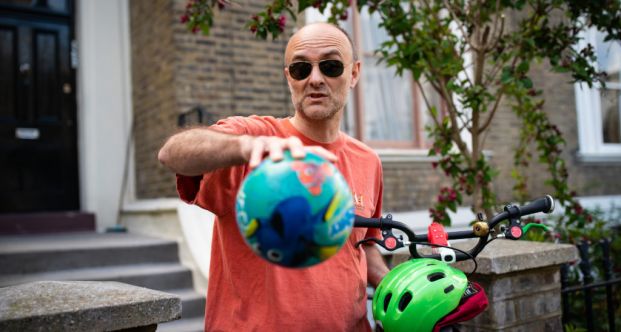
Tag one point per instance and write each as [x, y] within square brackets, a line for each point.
[302, 69]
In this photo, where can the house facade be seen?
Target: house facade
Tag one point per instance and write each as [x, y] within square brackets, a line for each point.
[131, 70]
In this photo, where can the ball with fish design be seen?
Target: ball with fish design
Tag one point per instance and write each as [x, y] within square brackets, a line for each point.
[295, 212]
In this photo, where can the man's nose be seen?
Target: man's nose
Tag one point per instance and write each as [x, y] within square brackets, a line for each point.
[316, 77]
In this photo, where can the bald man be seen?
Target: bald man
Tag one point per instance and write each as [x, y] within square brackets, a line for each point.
[246, 293]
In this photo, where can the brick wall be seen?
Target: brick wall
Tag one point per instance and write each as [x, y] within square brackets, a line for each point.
[411, 185]
[153, 94]
[228, 73]
[232, 73]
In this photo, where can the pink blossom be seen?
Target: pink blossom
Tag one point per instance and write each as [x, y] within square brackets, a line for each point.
[184, 18]
[282, 20]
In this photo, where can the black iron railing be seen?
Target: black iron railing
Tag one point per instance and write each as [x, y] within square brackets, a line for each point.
[588, 285]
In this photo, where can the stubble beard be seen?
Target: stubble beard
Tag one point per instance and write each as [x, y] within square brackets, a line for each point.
[328, 113]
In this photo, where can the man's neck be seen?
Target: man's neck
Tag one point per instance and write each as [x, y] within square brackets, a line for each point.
[326, 131]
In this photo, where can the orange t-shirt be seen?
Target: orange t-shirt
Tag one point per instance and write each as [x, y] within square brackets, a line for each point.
[245, 292]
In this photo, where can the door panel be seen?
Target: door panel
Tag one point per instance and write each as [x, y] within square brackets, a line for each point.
[8, 54]
[38, 150]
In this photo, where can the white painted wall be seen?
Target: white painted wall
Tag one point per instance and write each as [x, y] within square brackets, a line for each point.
[104, 104]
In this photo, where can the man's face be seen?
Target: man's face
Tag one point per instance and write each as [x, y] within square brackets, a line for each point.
[318, 96]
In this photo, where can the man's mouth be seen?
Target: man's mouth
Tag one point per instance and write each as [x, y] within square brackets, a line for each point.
[317, 95]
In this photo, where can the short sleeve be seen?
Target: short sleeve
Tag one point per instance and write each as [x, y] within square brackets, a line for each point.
[216, 191]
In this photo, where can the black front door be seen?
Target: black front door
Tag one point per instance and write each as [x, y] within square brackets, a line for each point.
[38, 150]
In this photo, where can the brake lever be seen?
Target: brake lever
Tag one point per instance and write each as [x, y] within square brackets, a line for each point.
[514, 231]
[389, 242]
[531, 225]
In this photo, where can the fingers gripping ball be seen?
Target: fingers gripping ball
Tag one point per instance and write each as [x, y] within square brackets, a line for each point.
[295, 212]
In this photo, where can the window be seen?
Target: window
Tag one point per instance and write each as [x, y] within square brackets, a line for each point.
[384, 110]
[598, 108]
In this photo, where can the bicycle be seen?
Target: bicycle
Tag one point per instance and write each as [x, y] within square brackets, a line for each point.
[425, 293]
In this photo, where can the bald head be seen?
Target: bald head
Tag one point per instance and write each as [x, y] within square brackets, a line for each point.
[321, 34]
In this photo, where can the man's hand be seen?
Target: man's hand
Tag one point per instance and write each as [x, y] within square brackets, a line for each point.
[376, 267]
[255, 148]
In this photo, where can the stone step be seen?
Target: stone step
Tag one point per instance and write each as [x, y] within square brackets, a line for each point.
[43, 253]
[193, 303]
[132, 259]
[161, 276]
[182, 325]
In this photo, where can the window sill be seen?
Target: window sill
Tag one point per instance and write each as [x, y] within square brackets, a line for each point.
[600, 158]
[413, 155]
[405, 155]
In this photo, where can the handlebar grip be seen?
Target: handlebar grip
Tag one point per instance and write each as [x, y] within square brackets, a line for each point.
[366, 222]
[544, 204]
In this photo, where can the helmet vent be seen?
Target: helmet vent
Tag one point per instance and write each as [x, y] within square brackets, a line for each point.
[387, 301]
[436, 276]
[405, 300]
[449, 289]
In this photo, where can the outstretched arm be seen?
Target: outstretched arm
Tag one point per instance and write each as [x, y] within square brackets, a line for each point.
[200, 150]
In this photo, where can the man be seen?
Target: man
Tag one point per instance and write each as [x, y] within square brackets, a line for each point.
[246, 293]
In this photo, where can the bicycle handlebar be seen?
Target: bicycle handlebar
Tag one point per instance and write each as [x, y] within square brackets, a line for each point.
[480, 230]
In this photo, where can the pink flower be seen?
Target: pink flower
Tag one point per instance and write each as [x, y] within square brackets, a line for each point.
[195, 29]
[253, 28]
[282, 20]
[184, 18]
[343, 16]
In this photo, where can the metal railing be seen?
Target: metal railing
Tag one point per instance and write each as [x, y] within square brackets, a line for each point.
[588, 285]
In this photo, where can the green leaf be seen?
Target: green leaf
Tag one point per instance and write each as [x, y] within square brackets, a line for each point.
[507, 75]
[527, 83]
[452, 206]
[433, 111]
[523, 67]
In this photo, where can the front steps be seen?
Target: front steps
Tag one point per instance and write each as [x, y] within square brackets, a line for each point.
[133, 259]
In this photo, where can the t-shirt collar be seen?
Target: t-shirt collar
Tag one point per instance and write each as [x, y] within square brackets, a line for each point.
[332, 146]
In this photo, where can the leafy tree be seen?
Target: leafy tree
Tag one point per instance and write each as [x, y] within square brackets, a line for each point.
[431, 39]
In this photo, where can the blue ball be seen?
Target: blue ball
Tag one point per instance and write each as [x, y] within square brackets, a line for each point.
[295, 212]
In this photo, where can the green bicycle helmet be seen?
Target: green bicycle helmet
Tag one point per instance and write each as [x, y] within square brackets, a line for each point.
[416, 294]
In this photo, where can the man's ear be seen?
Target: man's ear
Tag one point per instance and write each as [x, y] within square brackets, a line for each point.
[355, 74]
[287, 77]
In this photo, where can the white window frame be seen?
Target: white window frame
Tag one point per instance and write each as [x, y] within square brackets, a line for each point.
[405, 149]
[591, 146]
[397, 151]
